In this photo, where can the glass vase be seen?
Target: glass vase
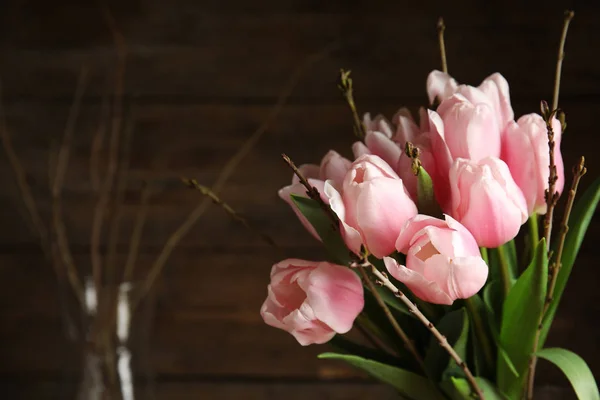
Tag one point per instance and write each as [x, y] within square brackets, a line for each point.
[112, 337]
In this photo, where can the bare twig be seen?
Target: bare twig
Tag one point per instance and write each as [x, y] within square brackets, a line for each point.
[345, 86]
[408, 344]
[136, 236]
[97, 144]
[413, 309]
[578, 171]
[551, 194]
[117, 203]
[62, 161]
[561, 55]
[21, 178]
[192, 183]
[104, 195]
[311, 191]
[441, 27]
[229, 168]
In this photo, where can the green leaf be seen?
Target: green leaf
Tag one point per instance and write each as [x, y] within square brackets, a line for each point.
[407, 383]
[481, 343]
[580, 219]
[522, 309]
[324, 227]
[439, 364]
[426, 202]
[494, 299]
[342, 344]
[459, 389]
[575, 369]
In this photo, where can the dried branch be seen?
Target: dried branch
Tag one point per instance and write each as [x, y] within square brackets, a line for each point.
[345, 86]
[551, 194]
[117, 203]
[57, 181]
[113, 151]
[384, 281]
[136, 235]
[578, 171]
[97, 144]
[441, 27]
[561, 55]
[408, 344]
[229, 168]
[192, 183]
[312, 191]
[21, 179]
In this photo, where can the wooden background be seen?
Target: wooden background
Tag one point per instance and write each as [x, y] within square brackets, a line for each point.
[202, 76]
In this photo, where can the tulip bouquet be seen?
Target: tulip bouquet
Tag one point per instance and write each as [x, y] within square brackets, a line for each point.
[425, 256]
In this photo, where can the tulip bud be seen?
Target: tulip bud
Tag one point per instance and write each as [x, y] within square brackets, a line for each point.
[372, 207]
[312, 300]
[443, 262]
[486, 200]
[525, 150]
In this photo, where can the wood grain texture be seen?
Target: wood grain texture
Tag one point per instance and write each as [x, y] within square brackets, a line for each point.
[202, 76]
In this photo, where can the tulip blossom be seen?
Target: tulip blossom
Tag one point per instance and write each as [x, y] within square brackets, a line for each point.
[312, 300]
[471, 130]
[525, 150]
[493, 91]
[443, 262]
[378, 140]
[486, 200]
[372, 206]
[333, 168]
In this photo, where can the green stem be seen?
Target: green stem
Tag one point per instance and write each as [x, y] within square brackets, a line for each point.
[534, 232]
[480, 332]
[505, 273]
[484, 255]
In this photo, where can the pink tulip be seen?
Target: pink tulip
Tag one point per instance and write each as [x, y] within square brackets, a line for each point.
[372, 206]
[471, 129]
[312, 300]
[333, 167]
[378, 140]
[443, 262]
[486, 200]
[493, 91]
[525, 150]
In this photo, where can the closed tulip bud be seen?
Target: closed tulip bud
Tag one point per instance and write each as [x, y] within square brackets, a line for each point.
[525, 150]
[312, 300]
[372, 206]
[443, 262]
[486, 200]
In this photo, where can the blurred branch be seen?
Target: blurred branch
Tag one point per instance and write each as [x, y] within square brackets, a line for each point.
[561, 55]
[441, 28]
[230, 167]
[134, 242]
[97, 144]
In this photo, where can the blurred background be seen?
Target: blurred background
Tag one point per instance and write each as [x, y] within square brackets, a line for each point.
[200, 80]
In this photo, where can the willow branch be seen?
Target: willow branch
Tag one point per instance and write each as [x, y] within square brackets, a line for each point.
[408, 344]
[21, 179]
[97, 144]
[192, 183]
[136, 236]
[441, 27]
[347, 89]
[440, 338]
[57, 182]
[561, 55]
[116, 208]
[104, 195]
[551, 194]
[578, 171]
[228, 170]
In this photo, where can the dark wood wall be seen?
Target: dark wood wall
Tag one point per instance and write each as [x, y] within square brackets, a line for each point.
[202, 75]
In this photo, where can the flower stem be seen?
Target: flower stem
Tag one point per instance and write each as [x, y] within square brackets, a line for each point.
[534, 232]
[480, 332]
[410, 346]
[441, 338]
[484, 255]
[505, 269]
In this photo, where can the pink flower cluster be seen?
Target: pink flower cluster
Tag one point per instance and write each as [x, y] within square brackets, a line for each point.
[489, 174]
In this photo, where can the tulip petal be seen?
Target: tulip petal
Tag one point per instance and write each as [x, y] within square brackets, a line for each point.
[410, 229]
[422, 288]
[350, 235]
[334, 167]
[440, 85]
[335, 293]
[382, 146]
[359, 149]
[298, 189]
